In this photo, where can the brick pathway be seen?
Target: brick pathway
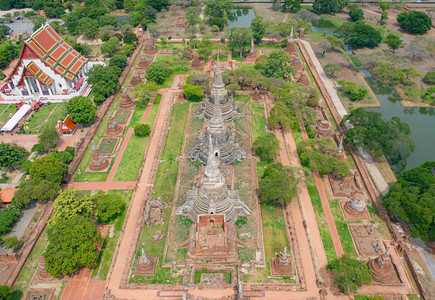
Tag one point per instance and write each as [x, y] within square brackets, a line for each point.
[105, 186]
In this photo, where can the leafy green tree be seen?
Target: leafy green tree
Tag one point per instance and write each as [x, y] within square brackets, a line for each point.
[36, 190]
[384, 17]
[119, 60]
[267, 146]
[335, 42]
[48, 168]
[359, 35]
[193, 92]
[258, 29]
[109, 48]
[393, 42]
[81, 109]
[11, 156]
[130, 38]
[142, 130]
[239, 39]
[384, 5]
[355, 13]
[158, 4]
[71, 203]
[72, 245]
[329, 6]
[412, 199]
[8, 216]
[414, 21]
[330, 69]
[429, 77]
[109, 206]
[280, 117]
[157, 74]
[104, 81]
[349, 273]
[291, 5]
[10, 242]
[276, 65]
[278, 185]
[218, 8]
[48, 137]
[192, 15]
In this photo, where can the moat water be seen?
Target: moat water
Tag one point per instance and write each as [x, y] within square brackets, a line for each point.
[240, 17]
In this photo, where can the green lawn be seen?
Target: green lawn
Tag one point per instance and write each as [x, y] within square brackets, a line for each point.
[6, 110]
[164, 187]
[343, 230]
[49, 113]
[249, 67]
[133, 157]
[222, 57]
[104, 259]
[243, 98]
[258, 120]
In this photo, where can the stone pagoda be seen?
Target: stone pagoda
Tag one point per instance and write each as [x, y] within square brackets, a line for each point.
[217, 138]
[341, 155]
[356, 205]
[297, 62]
[219, 93]
[196, 63]
[188, 50]
[382, 268]
[213, 196]
[98, 162]
[253, 53]
[149, 47]
[281, 265]
[291, 46]
[143, 62]
[304, 79]
[145, 264]
[112, 126]
[125, 101]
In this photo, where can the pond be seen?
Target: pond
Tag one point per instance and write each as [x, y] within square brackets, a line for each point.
[240, 17]
[322, 26]
[421, 121]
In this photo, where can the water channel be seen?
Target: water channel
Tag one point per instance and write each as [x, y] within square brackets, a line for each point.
[420, 120]
[240, 17]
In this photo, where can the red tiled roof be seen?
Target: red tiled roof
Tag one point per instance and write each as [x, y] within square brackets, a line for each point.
[39, 74]
[6, 195]
[66, 125]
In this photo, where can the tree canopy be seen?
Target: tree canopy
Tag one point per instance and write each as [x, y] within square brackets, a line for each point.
[48, 168]
[11, 156]
[355, 13]
[109, 206]
[359, 35]
[36, 190]
[349, 273]
[278, 185]
[280, 117]
[48, 137]
[81, 109]
[275, 65]
[142, 129]
[267, 146]
[393, 41]
[239, 39]
[104, 80]
[414, 21]
[329, 6]
[71, 203]
[258, 28]
[412, 199]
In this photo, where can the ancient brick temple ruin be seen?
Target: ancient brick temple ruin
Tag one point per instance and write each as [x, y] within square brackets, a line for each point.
[356, 205]
[217, 138]
[281, 265]
[230, 111]
[252, 53]
[146, 265]
[291, 46]
[382, 269]
[98, 162]
[149, 47]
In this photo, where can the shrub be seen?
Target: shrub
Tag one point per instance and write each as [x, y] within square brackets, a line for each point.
[414, 21]
[429, 78]
[142, 130]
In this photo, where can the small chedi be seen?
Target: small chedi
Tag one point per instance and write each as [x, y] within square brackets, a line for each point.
[213, 196]
[98, 162]
[382, 269]
[143, 62]
[217, 138]
[356, 205]
[112, 126]
[145, 264]
[297, 63]
[125, 101]
[304, 79]
[188, 50]
[149, 47]
[340, 154]
[252, 53]
[219, 93]
[281, 265]
[291, 46]
[41, 273]
[196, 63]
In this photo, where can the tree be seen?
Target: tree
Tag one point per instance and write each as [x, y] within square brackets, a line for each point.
[8, 216]
[192, 15]
[10, 242]
[36, 190]
[157, 73]
[11, 155]
[130, 38]
[414, 21]
[71, 203]
[104, 81]
[48, 137]
[412, 199]
[278, 185]
[276, 65]
[218, 8]
[291, 5]
[158, 4]
[330, 69]
[81, 109]
[349, 273]
[119, 60]
[109, 206]
[142, 130]
[109, 48]
[239, 38]
[329, 6]
[355, 13]
[267, 146]
[415, 52]
[48, 168]
[72, 244]
[429, 78]
[359, 35]
[280, 117]
[324, 45]
[393, 42]
[335, 42]
[193, 92]
[384, 5]
[258, 29]
[384, 17]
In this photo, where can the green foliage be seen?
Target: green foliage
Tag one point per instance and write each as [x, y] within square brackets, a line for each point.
[81, 109]
[275, 65]
[158, 72]
[359, 35]
[239, 39]
[8, 216]
[351, 89]
[379, 136]
[36, 190]
[355, 13]
[111, 46]
[429, 77]
[109, 207]
[48, 137]
[192, 15]
[142, 130]
[119, 60]
[7, 294]
[329, 6]
[336, 42]
[11, 156]
[10, 242]
[387, 72]
[218, 8]
[8, 51]
[72, 244]
[278, 185]
[393, 41]
[48, 168]
[330, 69]
[412, 199]
[258, 29]
[349, 273]
[71, 203]
[193, 92]
[267, 146]
[280, 117]
[414, 21]
[292, 6]
[104, 80]
[63, 156]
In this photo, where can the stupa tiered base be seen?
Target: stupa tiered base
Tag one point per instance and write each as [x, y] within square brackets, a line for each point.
[146, 268]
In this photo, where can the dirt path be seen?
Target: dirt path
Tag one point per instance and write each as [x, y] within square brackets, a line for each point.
[105, 186]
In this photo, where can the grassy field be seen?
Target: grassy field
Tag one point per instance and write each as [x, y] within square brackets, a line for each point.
[47, 114]
[258, 120]
[178, 66]
[343, 230]
[104, 259]
[164, 187]
[5, 110]
[243, 98]
[249, 67]
[132, 159]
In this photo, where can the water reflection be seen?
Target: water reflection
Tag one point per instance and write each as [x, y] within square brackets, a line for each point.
[240, 17]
